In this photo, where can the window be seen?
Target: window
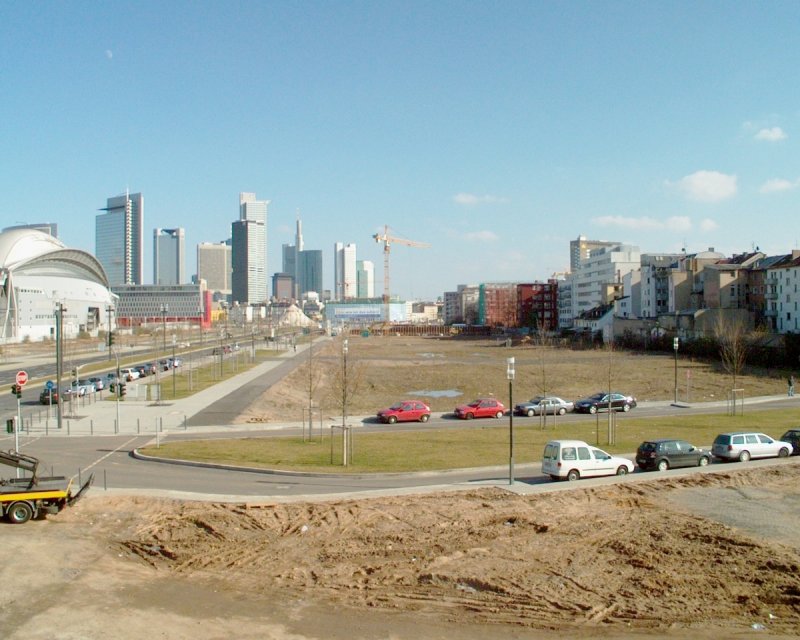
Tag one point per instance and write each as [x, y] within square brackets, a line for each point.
[583, 453]
[569, 453]
[751, 439]
[765, 439]
[737, 440]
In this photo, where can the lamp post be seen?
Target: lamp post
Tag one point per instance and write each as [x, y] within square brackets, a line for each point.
[344, 402]
[59, 361]
[173, 367]
[164, 309]
[510, 375]
[675, 343]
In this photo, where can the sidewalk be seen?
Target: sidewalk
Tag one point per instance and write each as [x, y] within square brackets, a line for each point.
[96, 416]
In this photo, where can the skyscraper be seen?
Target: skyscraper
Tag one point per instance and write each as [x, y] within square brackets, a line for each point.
[169, 261]
[365, 279]
[249, 251]
[309, 272]
[214, 266]
[344, 270]
[119, 239]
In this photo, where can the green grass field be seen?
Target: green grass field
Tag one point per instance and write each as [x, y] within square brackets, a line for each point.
[486, 445]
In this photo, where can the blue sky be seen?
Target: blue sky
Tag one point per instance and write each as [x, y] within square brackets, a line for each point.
[495, 131]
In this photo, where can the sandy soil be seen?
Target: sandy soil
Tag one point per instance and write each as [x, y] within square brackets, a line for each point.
[704, 556]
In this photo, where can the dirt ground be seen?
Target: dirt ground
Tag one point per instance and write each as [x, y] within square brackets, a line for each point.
[446, 372]
[705, 556]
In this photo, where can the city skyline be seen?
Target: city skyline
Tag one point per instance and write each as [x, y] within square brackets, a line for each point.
[496, 134]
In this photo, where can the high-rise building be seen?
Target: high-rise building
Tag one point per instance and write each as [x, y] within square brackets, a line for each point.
[365, 279]
[249, 251]
[169, 256]
[214, 266]
[581, 249]
[119, 239]
[344, 271]
[309, 272]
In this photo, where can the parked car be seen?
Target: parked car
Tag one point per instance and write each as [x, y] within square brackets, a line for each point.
[98, 383]
[48, 396]
[83, 387]
[405, 411]
[480, 408]
[743, 445]
[793, 436]
[543, 404]
[164, 365]
[175, 362]
[601, 401]
[129, 374]
[669, 453]
[574, 459]
[143, 370]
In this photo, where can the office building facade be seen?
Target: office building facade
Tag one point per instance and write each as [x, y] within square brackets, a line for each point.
[249, 251]
[119, 239]
[365, 279]
[214, 266]
[169, 262]
[345, 271]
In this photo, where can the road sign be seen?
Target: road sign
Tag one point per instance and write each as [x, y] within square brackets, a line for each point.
[49, 385]
[22, 377]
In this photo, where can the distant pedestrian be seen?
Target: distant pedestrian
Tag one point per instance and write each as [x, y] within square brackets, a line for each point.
[791, 385]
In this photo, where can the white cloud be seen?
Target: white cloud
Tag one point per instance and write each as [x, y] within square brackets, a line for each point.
[471, 200]
[708, 186]
[773, 134]
[481, 236]
[708, 225]
[778, 184]
[645, 223]
[109, 54]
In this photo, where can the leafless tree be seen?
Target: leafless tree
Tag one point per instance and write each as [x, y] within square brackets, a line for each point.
[733, 337]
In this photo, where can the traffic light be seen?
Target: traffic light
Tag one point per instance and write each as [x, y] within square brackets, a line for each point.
[16, 389]
[110, 338]
[10, 425]
[122, 389]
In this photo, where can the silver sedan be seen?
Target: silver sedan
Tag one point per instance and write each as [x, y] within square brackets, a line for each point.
[543, 404]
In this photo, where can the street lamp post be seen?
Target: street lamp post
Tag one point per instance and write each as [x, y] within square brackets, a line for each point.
[344, 402]
[675, 343]
[173, 367]
[164, 309]
[510, 375]
[59, 361]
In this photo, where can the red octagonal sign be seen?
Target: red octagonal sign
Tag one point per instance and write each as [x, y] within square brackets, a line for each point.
[22, 377]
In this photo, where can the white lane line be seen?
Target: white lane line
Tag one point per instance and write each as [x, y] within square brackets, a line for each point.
[110, 453]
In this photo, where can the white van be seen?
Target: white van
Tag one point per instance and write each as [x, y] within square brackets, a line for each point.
[574, 459]
[129, 374]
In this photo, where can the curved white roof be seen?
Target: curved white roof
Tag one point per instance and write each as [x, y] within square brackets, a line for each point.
[30, 250]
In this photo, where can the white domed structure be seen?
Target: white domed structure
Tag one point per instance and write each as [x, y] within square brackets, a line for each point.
[37, 271]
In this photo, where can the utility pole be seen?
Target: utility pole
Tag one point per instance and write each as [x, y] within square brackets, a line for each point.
[59, 361]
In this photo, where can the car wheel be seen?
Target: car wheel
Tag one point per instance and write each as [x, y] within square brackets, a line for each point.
[424, 417]
[663, 465]
[626, 408]
[573, 475]
[784, 452]
[391, 420]
[470, 416]
[592, 409]
[530, 413]
[622, 470]
[19, 513]
[744, 456]
[562, 411]
[499, 415]
[702, 462]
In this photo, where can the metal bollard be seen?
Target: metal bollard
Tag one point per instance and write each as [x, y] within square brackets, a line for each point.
[184, 422]
[138, 426]
[105, 482]
[68, 427]
[91, 427]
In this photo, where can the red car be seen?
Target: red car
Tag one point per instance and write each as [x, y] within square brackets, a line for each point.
[481, 408]
[405, 411]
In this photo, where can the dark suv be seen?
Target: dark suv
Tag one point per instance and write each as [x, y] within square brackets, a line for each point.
[793, 436]
[668, 453]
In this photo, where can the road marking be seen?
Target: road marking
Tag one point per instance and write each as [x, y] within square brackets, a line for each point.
[111, 453]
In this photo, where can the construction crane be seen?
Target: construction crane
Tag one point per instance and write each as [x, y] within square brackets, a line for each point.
[387, 241]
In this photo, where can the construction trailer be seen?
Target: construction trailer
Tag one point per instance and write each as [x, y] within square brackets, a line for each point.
[33, 496]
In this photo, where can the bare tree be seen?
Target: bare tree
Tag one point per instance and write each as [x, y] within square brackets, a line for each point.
[346, 380]
[313, 375]
[732, 335]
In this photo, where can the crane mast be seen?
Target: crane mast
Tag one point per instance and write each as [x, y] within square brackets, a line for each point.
[387, 241]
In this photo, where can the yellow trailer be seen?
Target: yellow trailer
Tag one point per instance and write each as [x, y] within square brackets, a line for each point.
[32, 497]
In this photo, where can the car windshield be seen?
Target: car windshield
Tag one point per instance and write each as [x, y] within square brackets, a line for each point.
[596, 397]
[536, 400]
[648, 446]
[722, 439]
[396, 407]
[474, 403]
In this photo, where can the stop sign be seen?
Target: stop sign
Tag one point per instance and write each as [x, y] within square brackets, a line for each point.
[22, 377]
